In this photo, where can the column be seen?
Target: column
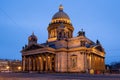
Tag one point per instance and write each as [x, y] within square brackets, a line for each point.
[103, 63]
[33, 63]
[27, 66]
[46, 66]
[85, 61]
[35, 58]
[55, 33]
[29, 63]
[38, 63]
[53, 63]
[90, 62]
[50, 63]
[44, 63]
[23, 62]
[41, 63]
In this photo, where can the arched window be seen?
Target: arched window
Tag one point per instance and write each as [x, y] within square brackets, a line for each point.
[82, 43]
[60, 35]
[73, 61]
[67, 35]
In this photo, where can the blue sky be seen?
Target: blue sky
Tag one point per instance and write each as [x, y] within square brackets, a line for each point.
[19, 18]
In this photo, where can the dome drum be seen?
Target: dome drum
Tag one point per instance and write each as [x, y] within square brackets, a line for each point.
[61, 20]
[55, 26]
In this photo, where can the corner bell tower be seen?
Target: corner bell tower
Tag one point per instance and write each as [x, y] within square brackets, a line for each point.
[58, 19]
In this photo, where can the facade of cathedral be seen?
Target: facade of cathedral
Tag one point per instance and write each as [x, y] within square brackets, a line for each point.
[62, 52]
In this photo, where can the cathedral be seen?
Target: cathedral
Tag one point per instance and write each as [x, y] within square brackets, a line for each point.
[62, 52]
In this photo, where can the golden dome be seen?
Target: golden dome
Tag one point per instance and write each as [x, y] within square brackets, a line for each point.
[60, 16]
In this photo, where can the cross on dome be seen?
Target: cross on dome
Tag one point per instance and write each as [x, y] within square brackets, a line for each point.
[32, 33]
[60, 7]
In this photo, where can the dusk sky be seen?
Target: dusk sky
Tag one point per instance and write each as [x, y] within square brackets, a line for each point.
[100, 19]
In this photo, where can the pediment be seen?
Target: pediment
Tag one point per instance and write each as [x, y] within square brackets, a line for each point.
[33, 47]
[98, 47]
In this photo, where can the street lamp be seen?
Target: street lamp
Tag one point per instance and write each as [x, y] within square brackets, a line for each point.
[8, 68]
[19, 68]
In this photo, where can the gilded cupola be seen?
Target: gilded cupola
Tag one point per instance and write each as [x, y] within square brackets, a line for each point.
[59, 18]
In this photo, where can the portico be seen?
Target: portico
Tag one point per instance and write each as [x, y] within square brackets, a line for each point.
[41, 61]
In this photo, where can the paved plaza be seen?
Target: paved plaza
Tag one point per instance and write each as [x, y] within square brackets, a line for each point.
[57, 76]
